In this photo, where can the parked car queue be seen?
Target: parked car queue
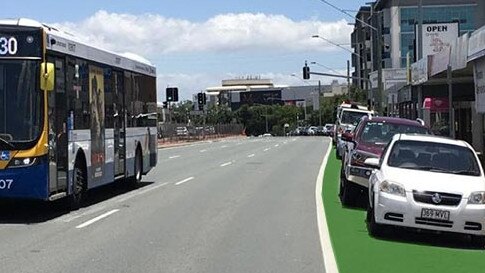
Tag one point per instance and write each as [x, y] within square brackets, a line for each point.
[411, 178]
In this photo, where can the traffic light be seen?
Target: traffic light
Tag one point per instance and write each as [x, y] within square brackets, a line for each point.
[200, 98]
[165, 105]
[306, 72]
[172, 94]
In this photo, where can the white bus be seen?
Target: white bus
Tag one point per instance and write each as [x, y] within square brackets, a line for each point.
[73, 116]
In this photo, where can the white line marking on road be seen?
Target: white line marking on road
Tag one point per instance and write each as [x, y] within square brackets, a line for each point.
[251, 155]
[327, 250]
[140, 192]
[277, 145]
[185, 180]
[226, 164]
[224, 146]
[74, 215]
[174, 156]
[267, 149]
[203, 151]
[95, 219]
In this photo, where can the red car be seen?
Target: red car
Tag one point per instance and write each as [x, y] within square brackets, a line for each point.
[369, 140]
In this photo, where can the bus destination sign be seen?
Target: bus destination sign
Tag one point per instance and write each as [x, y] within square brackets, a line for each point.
[19, 43]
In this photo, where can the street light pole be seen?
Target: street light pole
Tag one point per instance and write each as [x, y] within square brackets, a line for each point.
[319, 104]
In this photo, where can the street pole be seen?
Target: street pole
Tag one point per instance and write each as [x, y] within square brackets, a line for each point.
[379, 64]
[420, 55]
[319, 104]
[450, 101]
[348, 79]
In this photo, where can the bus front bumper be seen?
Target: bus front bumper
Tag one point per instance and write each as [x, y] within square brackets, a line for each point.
[25, 182]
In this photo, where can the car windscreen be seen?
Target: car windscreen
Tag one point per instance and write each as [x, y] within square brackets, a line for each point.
[433, 156]
[380, 133]
[352, 117]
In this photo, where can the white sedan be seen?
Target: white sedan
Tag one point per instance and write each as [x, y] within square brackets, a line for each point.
[427, 182]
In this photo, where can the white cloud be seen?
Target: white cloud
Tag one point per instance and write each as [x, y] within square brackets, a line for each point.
[247, 34]
[152, 35]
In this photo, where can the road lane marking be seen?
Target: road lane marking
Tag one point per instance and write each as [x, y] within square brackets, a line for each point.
[224, 146]
[203, 151]
[184, 181]
[326, 245]
[267, 149]
[226, 164]
[78, 214]
[251, 155]
[174, 156]
[140, 192]
[277, 145]
[95, 219]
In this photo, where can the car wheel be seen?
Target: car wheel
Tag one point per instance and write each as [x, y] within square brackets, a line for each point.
[337, 155]
[347, 192]
[478, 241]
[375, 229]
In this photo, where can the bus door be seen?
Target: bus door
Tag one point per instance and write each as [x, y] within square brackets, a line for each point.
[119, 124]
[57, 116]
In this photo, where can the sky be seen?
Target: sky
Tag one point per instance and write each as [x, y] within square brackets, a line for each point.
[196, 44]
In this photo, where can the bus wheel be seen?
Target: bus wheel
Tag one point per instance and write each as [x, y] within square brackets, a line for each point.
[136, 179]
[78, 185]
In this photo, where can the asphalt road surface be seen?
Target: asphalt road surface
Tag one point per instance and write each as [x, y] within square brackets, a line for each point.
[240, 205]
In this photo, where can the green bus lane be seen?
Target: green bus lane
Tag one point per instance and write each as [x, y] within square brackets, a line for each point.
[399, 250]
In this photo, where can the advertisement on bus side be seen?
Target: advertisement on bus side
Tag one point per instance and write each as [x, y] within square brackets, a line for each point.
[96, 101]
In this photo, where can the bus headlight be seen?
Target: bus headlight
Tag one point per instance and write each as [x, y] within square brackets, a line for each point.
[22, 162]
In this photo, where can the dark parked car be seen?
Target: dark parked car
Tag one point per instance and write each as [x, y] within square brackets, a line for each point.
[368, 140]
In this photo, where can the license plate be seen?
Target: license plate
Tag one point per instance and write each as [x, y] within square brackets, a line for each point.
[435, 214]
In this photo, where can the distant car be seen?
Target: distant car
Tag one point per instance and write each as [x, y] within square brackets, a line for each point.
[349, 118]
[330, 131]
[181, 131]
[320, 131]
[427, 182]
[368, 141]
[311, 131]
[327, 128]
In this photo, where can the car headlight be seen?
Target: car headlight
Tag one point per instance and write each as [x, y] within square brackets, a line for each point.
[392, 188]
[477, 197]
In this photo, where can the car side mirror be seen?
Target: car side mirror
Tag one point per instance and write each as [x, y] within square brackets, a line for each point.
[347, 136]
[373, 162]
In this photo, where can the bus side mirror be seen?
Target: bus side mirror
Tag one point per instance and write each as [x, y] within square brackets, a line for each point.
[47, 73]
